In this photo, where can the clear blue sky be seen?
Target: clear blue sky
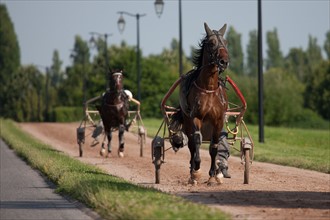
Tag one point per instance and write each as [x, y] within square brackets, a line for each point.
[43, 26]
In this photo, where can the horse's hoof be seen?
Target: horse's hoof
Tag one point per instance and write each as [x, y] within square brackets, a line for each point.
[210, 182]
[194, 177]
[219, 178]
[196, 174]
[102, 152]
[120, 154]
[192, 182]
[217, 181]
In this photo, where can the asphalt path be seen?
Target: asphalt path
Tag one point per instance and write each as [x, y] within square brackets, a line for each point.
[25, 194]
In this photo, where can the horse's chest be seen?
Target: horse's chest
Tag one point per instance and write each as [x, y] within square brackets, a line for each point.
[209, 106]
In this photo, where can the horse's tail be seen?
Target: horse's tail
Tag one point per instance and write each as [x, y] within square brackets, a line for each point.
[176, 121]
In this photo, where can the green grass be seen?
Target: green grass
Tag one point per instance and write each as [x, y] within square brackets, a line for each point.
[111, 197]
[302, 148]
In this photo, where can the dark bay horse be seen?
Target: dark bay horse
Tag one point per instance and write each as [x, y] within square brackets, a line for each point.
[203, 102]
[114, 112]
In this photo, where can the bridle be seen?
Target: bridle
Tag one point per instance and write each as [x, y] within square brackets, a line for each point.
[118, 90]
[117, 77]
[213, 56]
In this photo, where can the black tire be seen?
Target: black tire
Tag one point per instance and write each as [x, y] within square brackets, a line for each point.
[246, 166]
[158, 163]
[157, 174]
[157, 152]
[81, 149]
[142, 142]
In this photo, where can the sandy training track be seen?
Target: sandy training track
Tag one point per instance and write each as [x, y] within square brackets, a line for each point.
[274, 192]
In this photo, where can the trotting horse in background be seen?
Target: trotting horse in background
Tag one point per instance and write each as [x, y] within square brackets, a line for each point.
[114, 112]
[203, 102]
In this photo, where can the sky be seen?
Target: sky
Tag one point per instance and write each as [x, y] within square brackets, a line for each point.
[43, 26]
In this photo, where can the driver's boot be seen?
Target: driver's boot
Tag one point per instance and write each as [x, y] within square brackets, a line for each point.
[223, 166]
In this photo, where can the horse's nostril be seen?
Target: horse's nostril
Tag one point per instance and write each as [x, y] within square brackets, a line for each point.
[223, 63]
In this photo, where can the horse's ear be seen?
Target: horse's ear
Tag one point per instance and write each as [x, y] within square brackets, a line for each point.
[207, 29]
[223, 30]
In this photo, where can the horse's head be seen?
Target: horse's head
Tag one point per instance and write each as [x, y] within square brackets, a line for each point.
[216, 47]
[117, 79]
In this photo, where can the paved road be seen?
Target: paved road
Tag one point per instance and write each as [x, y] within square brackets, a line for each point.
[25, 194]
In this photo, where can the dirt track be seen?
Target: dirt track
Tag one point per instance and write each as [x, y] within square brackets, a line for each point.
[274, 192]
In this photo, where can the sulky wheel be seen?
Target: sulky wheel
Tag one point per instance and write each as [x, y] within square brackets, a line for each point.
[246, 148]
[81, 149]
[142, 142]
[157, 151]
[246, 166]
[142, 139]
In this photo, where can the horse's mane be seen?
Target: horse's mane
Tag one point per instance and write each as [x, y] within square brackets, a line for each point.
[187, 80]
[198, 53]
[198, 62]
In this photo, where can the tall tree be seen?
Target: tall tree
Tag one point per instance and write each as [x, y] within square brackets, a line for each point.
[274, 54]
[9, 62]
[252, 54]
[327, 44]
[28, 90]
[56, 73]
[80, 53]
[235, 51]
[72, 90]
[283, 97]
[317, 92]
[313, 53]
[295, 62]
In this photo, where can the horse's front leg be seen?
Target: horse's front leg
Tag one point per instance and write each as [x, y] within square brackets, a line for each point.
[107, 135]
[109, 141]
[102, 151]
[121, 131]
[195, 143]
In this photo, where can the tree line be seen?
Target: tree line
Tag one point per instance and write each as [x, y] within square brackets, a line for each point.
[296, 85]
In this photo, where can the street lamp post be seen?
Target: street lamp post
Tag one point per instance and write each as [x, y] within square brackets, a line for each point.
[260, 76]
[180, 37]
[121, 26]
[106, 56]
[159, 4]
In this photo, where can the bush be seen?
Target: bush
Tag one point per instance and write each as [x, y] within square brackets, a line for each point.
[307, 118]
[67, 114]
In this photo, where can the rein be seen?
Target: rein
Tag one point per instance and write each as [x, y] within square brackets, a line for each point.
[117, 105]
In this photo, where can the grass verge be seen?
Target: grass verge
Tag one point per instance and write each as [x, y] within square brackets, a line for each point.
[111, 197]
[302, 148]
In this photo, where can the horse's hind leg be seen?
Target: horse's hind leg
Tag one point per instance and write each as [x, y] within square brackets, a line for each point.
[121, 131]
[214, 169]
